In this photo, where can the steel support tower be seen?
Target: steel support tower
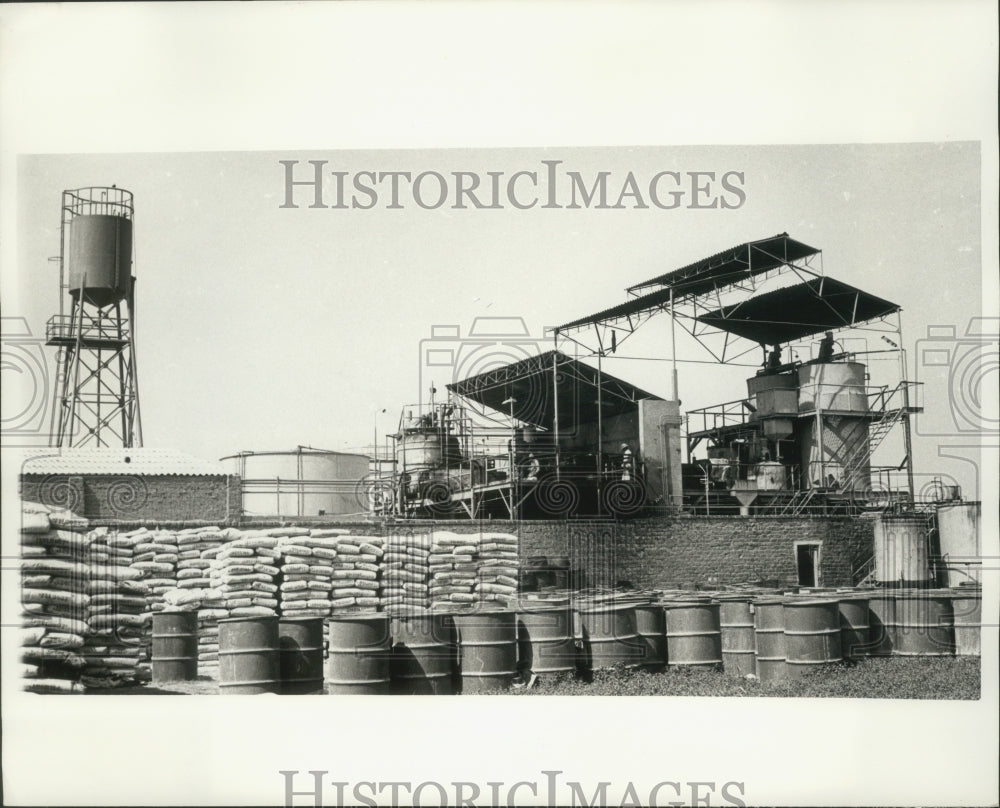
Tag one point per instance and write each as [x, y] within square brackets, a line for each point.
[96, 396]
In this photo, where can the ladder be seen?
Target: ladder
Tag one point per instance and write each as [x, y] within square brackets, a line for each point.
[877, 432]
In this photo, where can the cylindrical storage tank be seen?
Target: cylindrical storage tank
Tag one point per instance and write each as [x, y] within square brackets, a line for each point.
[651, 628]
[838, 390]
[769, 639]
[694, 633]
[487, 650]
[854, 626]
[609, 636]
[960, 543]
[304, 482]
[832, 386]
[901, 551]
[545, 640]
[100, 258]
[812, 635]
[301, 650]
[175, 646]
[881, 623]
[360, 647]
[423, 654]
[248, 655]
[771, 477]
[967, 608]
[924, 623]
[426, 448]
[739, 654]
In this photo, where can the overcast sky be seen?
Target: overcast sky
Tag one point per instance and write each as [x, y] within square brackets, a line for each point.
[262, 327]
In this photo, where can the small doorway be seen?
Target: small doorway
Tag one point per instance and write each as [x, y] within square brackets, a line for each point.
[807, 563]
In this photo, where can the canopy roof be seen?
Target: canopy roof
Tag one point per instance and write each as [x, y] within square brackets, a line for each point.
[530, 383]
[717, 271]
[731, 266]
[785, 315]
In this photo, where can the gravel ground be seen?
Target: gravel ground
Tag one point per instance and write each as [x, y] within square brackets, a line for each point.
[900, 678]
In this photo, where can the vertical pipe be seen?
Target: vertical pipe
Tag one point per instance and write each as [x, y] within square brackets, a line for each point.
[555, 408]
[600, 432]
[907, 435]
[673, 348]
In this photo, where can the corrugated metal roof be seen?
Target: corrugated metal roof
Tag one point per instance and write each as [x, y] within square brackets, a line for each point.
[144, 461]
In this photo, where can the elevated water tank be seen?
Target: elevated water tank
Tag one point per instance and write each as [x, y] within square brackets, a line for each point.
[99, 255]
[303, 482]
[960, 543]
[902, 551]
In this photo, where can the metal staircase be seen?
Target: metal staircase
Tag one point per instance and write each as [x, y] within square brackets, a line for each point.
[877, 432]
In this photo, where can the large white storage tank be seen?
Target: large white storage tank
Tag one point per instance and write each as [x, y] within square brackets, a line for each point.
[303, 482]
[960, 543]
[902, 551]
[837, 391]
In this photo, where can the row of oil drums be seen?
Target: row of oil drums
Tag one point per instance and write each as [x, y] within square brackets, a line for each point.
[772, 637]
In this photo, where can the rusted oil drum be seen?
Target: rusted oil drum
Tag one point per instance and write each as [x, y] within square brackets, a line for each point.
[694, 633]
[545, 640]
[248, 655]
[651, 628]
[854, 626]
[769, 639]
[739, 654]
[967, 607]
[423, 654]
[812, 635]
[300, 655]
[881, 623]
[175, 646]
[923, 620]
[359, 651]
[487, 650]
[609, 636]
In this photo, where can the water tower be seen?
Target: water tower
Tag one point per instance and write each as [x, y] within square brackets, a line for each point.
[96, 391]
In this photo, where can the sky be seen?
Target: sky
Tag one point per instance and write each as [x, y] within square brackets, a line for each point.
[265, 327]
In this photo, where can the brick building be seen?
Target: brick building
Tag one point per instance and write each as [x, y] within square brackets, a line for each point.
[136, 485]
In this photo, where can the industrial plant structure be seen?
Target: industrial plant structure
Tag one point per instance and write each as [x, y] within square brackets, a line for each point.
[553, 436]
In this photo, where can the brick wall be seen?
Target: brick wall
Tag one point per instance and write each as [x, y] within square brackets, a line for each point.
[138, 498]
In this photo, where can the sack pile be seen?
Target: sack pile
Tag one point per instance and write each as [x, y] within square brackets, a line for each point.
[54, 597]
[306, 571]
[357, 573]
[498, 568]
[245, 571]
[452, 564]
[406, 573]
[116, 619]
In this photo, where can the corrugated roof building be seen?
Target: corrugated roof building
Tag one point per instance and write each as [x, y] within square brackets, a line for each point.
[128, 485]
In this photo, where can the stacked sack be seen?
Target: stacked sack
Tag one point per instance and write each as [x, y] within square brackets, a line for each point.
[406, 573]
[54, 599]
[115, 613]
[156, 556]
[245, 571]
[452, 564]
[357, 574]
[498, 567]
[307, 558]
[209, 602]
